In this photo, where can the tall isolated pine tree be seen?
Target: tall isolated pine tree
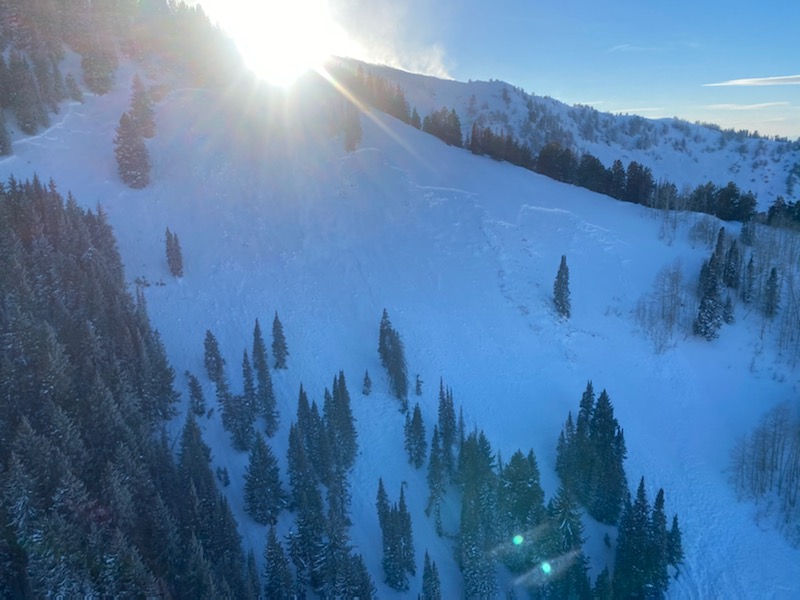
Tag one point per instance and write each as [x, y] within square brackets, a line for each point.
[279, 349]
[415, 443]
[174, 254]
[392, 354]
[266, 406]
[263, 496]
[561, 289]
[133, 160]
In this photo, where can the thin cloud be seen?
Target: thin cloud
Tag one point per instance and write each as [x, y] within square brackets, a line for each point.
[640, 110]
[760, 106]
[757, 81]
[632, 48]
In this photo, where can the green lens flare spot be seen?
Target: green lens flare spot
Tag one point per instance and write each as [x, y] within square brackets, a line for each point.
[518, 539]
[546, 568]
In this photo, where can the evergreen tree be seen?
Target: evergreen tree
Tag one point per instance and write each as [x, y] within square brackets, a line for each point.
[749, 282]
[415, 443]
[264, 397]
[709, 315]
[607, 483]
[730, 274]
[278, 584]
[561, 289]
[142, 109]
[5, 139]
[674, 545]
[631, 573]
[366, 388]
[249, 391]
[658, 553]
[174, 254]
[602, 586]
[392, 354]
[340, 424]
[418, 386]
[436, 474]
[771, 294]
[214, 363]
[196, 398]
[727, 311]
[447, 427]
[431, 586]
[133, 160]
[263, 497]
[279, 350]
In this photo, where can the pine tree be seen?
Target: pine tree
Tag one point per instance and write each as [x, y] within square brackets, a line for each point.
[771, 294]
[340, 424]
[263, 497]
[607, 481]
[561, 289]
[730, 274]
[436, 474]
[447, 427]
[631, 575]
[266, 406]
[214, 363]
[174, 254]
[415, 443]
[279, 350]
[249, 391]
[142, 109]
[658, 552]
[674, 545]
[133, 160]
[418, 386]
[278, 584]
[431, 586]
[727, 311]
[196, 397]
[749, 282]
[366, 388]
[5, 139]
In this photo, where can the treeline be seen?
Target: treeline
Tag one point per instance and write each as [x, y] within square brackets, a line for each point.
[33, 34]
[93, 503]
[504, 518]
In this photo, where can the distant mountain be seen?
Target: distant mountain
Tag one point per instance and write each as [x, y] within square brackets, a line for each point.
[675, 150]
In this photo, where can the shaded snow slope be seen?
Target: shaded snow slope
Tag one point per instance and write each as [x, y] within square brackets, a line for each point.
[463, 252]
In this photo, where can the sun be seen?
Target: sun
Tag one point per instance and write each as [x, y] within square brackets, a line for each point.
[282, 39]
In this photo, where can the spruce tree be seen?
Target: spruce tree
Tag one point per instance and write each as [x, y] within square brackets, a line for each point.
[196, 398]
[174, 254]
[279, 349]
[263, 497]
[141, 110]
[561, 289]
[265, 396]
[431, 586]
[415, 443]
[447, 427]
[248, 392]
[5, 139]
[214, 363]
[749, 282]
[674, 545]
[278, 584]
[366, 388]
[340, 424]
[436, 474]
[631, 572]
[133, 160]
[771, 294]
[658, 553]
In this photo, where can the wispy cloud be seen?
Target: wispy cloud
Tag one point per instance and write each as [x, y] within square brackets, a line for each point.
[759, 106]
[646, 109]
[756, 81]
[632, 48]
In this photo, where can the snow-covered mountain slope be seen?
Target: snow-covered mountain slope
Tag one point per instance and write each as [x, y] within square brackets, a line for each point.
[675, 150]
[462, 251]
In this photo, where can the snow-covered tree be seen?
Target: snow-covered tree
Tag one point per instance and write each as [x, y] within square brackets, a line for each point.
[561, 289]
[133, 160]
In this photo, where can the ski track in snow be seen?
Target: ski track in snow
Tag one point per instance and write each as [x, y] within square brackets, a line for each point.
[463, 252]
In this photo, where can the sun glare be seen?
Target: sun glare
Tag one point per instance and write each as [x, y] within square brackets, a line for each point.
[282, 39]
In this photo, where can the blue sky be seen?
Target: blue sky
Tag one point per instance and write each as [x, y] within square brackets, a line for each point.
[656, 59]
